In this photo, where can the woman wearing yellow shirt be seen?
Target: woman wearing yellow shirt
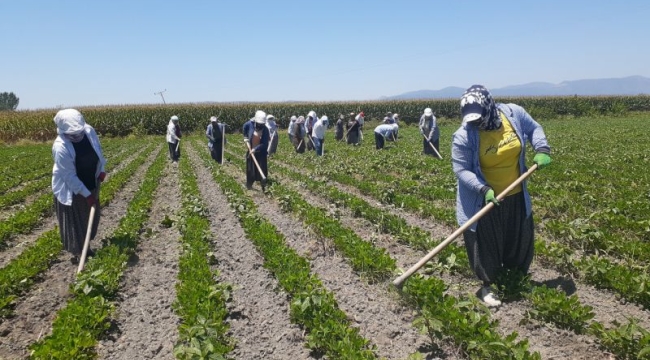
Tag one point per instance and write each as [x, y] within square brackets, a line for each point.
[488, 154]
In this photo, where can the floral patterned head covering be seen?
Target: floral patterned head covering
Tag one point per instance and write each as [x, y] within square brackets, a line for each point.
[478, 107]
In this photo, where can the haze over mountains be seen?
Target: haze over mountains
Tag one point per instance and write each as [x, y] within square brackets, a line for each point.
[631, 85]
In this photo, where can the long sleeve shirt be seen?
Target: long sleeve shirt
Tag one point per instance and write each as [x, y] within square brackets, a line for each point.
[265, 137]
[273, 127]
[465, 160]
[429, 128]
[65, 181]
[319, 129]
[171, 133]
[214, 132]
[290, 128]
[386, 130]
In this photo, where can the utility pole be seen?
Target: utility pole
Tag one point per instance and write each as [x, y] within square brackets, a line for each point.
[161, 95]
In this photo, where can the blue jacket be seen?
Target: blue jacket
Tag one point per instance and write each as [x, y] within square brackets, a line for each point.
[465, 160]
[263, 146]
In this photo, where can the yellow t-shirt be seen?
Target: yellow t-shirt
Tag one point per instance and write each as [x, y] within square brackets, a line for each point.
[499, 156]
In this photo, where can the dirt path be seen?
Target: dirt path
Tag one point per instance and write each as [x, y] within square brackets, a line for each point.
[259, 310]
[16, 245]
[146, 324]
[35, 312]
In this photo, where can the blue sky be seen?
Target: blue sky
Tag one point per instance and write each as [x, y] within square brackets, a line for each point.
[74, 53]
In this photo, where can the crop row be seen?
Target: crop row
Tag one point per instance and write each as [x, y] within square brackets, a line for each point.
[23, 165]
[21, 273]
[626, 278]
[370, 174]
[42, 182]
[87, 314]
[464, 321]
[312, 306]
[24, 221]
[201, 301]
[548, 304]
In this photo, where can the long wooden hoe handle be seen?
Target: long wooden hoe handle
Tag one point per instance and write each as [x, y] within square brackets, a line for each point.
[345, 136]
[433, 147]
[223, 142]
[312, 140]
[398, 282]
[89, 231]
[250, 151]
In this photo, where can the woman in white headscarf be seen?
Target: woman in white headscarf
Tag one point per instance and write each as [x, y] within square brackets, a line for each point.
[430, 133]
[78, 170]
[173, 138]
[216, 134]
[309, 124]
[258, 138]
[273, 132]
[299, 134]
[292, 123]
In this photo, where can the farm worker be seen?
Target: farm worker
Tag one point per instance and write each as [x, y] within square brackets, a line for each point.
[292, 123]
[258, 138]
[396, 118]
[353, 129]
[339, 128]
[384, 132]
[395, 132]
[360, 118]
[487, 156]
[309, 124]
[319, 134]
[173, 137]
[216, 138]
[430, 132]
[298, 134]
[78, 170]
[388, 119]
[273, 131]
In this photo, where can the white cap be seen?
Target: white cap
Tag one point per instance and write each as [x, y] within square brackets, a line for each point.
[213, 118]
[260, 117]
[69, 121]
[293, 118]
[174, 118]
[270, 117]
[324, 118]
[312, 114]
[395, 116]
[428, 112]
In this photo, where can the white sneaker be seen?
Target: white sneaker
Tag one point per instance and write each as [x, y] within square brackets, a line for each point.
[489, 298]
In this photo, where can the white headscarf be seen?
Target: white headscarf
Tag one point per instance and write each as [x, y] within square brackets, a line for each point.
[69, 122]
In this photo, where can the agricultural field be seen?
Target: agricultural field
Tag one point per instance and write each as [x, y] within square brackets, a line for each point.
[191, 265]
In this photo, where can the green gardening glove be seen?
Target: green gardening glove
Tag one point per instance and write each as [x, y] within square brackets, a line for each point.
[490, 198]
[542, 160]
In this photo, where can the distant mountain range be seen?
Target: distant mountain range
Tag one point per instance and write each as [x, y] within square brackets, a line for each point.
[631, 85]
